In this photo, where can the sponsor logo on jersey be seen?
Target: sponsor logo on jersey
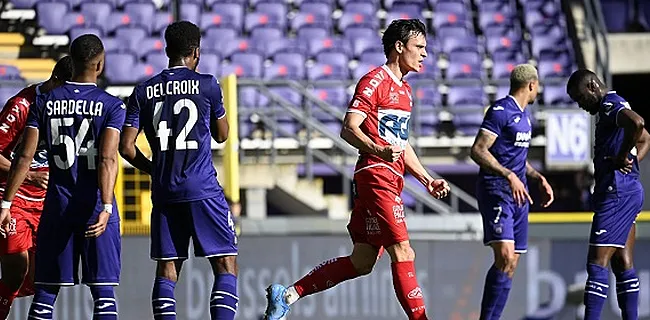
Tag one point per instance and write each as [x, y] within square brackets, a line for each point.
[523, 139]
[415, 293]
[394, 126]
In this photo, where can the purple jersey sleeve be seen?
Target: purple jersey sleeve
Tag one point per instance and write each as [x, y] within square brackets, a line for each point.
[115, 116]
[611, 109]
[495, 120]
[133, 110]
[217, 109]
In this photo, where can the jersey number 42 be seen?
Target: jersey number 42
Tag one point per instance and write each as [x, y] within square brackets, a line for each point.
[163, 132]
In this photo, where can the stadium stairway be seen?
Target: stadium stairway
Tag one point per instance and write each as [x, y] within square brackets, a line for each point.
[282, 188]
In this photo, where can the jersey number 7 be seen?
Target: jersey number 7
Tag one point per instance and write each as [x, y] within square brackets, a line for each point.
[163, 132]
[72, 147]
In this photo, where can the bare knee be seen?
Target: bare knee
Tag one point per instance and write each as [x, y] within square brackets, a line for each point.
[506, 261]
[14, 270]
[363, 258]
[621, 261]
[169, 269]
[226, 264]
[401, 252]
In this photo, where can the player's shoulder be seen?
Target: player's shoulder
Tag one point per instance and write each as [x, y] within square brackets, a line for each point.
[612, 101]
[378, 75]
[109, 99]
[502, 105]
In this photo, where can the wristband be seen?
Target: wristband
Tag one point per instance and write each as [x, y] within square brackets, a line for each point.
[6, 204]
[108, 208]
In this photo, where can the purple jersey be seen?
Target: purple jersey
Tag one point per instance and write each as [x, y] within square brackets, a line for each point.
[609, 138]
[510, 123]
[71, 120]
[175, 109]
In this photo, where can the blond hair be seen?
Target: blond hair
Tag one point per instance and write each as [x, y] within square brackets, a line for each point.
[521, 75]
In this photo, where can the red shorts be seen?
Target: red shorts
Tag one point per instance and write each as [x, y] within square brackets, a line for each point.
[25, 216]
[378, 214]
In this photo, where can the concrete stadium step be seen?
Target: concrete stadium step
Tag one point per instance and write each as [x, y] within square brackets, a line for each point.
[32, 69]
[10, 45]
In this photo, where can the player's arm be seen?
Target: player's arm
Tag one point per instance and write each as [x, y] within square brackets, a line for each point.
[532, 173]
[218, 122]
[480, 153]
[545, 188]
[632, 124]
[643, 145]
[219, 128]
[130, 151]
[436, 187]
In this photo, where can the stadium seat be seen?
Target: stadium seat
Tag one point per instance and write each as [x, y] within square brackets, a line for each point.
[362, 7]
[429, 70]
[428, 95]
[257, 19]
[454, 31]
[501, 69]
[311, 19]
[56, 17]
[247, 98]
[213, 33]
[503, 43]
[549, 69]
[162, 20]
[141, 13]
[225, 47]
[376, 58]
[428, 122]
[554, 95]
[305, 34]
[96, 12]
[333, 58]
[463, 97]
[394, 15]
[443, 19]
[361, 70]
[333, 95]
[275, 10]
[213, 19]
[284, 45]
[263, 34]
[329, 44]
[289, 66]
[541, 45]
[232, 12]
[159, 61]
[492, 19]
[451, 7]
[350, 19]
[9, 72]
[123, 68]
[23, 4]
[316, 8]
[249, 65]
[210, 64]
[451, 45]
[468, 121]
[190, 12]
[77, 31]
[131, 39]
[327, 71]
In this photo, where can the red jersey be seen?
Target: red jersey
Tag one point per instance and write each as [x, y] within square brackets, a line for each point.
[385, 102]
[12, 124]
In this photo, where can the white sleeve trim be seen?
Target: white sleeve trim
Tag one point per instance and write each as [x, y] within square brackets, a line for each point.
[490, 132]
[358, 112]
[222, 116]
[28, 126]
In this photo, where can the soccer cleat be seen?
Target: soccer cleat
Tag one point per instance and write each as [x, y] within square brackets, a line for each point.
[276, 308]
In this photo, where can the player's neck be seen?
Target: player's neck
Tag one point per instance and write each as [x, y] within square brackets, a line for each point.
[395, 69]
[178, 63]
[85, 78]
[521, 99]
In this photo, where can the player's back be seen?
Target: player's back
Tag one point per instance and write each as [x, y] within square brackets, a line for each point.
[175, 109]
[511, 125]
[71, 120]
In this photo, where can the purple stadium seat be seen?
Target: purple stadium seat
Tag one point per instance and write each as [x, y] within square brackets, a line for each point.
[162, 20]
[466, 57]
[266, 34]
[546, 44]
[451, 45]
[254, 3]
[9, 72]
[123, 68]
[556, 95]
[247, 97]
[533, 18]
[411, 8]
[158, 61]
[616, 14]
[428, 95]
[311, 19]
[376, 58]
[441, 19]
[452, 7]
[496, 6]
[502, 69]
[454, 31]
[491, 19]
[503, 30]
[112, 44]
[466, 70]
[56, 18]
[23, 4]
[275, 10]
[428, 124]
[141, 13]
[462, 96]
[225, 47]
[210, 3]
[274, 46]
[210, 64]
[190, 12]
[325, 71]
[312, 32]
[214, 33]
[354, 33]
[77, 31]
[213, 19]
[317, 8]
[429, 70]
[333, 58]
[232, 12]
[362, 69]
[249, 65]
[469, 121]
[257, 19]
[508, 56]
[286, 66]
[395, 15]
[362, 7]
[335, 96]
[504, 43]
[550, 29]
[131, 38]
[349, 19]
[329, 44]
[117, 20]
[366, 45]
[549, 69]
[71, 3]
[502, 91]
[96, 12]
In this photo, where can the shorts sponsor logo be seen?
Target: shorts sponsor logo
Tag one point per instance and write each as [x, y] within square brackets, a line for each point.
[398, 210]
[415, 293]
[12, 227]
[372, 226]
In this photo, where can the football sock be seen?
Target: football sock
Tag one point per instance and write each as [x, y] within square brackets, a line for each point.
[42, 307]
[495, 293]
[224, 299]
[407, 290]
[7, 297]
[627, 290]
[105, 303]
[162, 299]
[595, 291]
[325, 276]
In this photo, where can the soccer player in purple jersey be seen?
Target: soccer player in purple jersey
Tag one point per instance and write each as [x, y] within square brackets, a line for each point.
[621, 142]
[79, 126]
[501, 150]
[179, 111]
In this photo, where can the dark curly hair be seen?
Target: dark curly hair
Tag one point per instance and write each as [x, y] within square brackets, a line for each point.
[182, 38]
[401, 30]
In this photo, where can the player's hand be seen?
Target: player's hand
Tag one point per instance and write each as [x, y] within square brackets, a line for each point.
[390, 153]
[38, 178]
[438, 188]
[5, 222]
[98, 228]
[623, 164]
[519, 192]
[547, 192]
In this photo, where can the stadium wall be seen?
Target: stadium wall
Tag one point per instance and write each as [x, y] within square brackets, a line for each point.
[451, 274]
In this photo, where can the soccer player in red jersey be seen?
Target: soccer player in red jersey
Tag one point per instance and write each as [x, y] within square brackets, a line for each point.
[377, 123]
[17, 248]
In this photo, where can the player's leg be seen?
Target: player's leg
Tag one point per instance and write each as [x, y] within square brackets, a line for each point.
[14, 260]
[498, 217]
[101, 265]
[224, 299]
[405, 282]
[170, 240]
[627, 281]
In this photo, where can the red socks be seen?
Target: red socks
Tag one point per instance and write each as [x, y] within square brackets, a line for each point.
[6, 299]
[326, 275]
[408, 291]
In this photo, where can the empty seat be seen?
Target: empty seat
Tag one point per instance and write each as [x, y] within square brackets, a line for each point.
[277, 11]
[311, 19]
[56, 17]
[469, 121]
[501, 69]
[286, 66]
[361, 70]
[307, 33]
[317, 8]
[23, 4]
[190, 12]
[460, 97]
[550, 69]
[554, 95]
[264, 34]
[233, 12]
[250, 64]
[329, 44]
[428, 95]
[141, 13]
[225, 47]
[123, 68]
[9, 72]
[349, 19]
[429, 70]
[376, 58]
[96, 12]
[247, 97]
[274, 46]
[363, 7]
[452, 45]
[162, 20]
[257, 19]
[158, 61]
